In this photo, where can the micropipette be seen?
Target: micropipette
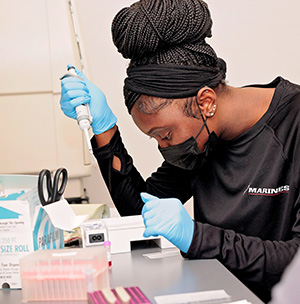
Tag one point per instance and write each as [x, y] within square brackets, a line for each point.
[84, 117]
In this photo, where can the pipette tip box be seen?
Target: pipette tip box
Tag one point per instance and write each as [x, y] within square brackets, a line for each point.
[63, 274]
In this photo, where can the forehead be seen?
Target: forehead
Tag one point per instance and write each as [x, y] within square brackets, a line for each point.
[152, 112]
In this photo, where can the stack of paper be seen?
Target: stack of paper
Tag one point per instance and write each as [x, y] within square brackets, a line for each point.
[203, 297]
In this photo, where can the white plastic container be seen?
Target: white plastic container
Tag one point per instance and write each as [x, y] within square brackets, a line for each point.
[63, 274]
[126, 229]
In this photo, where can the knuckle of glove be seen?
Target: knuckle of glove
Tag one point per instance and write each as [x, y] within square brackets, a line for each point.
[175, 203]
[67, 96]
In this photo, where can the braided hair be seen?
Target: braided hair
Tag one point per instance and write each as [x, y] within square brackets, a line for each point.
[155, 32]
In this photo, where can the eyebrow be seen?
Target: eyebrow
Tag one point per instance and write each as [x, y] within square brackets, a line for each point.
[153, 130]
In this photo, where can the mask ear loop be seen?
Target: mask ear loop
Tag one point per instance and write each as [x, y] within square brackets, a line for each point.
[204, 122]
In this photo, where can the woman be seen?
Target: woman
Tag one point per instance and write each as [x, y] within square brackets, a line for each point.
[234, 150]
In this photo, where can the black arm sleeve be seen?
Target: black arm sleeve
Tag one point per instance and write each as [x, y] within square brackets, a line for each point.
[126, 185]
[258, 263]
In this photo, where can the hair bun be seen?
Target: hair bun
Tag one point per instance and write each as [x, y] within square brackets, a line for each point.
[221, 64]
[150, 25]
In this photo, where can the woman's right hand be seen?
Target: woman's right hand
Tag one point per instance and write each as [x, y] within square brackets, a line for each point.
[76, 91]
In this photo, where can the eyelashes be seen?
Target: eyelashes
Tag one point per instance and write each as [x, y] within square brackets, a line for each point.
[167, 137]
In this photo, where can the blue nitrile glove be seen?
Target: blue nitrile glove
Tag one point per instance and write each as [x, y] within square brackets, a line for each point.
[76, 91]
[167, 217]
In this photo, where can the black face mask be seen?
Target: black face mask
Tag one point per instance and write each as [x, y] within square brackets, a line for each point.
[187, 154]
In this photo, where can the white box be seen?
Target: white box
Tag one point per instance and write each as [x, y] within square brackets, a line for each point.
[24, 227]
[124, 230]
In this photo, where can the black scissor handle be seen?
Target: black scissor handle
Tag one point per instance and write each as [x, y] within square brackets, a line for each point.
[59, 183]
[42, 175]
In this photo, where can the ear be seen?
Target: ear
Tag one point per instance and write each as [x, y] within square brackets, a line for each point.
[206, 98]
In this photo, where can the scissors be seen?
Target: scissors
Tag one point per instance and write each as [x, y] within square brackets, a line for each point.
[55, 190]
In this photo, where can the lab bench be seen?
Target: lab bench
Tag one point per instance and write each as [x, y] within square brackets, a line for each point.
[162, 276]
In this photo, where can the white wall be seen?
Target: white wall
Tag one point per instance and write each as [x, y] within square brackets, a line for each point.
[37, 42]
[259, 39]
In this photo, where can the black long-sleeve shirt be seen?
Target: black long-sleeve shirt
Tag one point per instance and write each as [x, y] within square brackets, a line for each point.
[246, 196]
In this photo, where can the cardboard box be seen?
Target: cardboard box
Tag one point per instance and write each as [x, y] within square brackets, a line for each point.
[24, 226]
